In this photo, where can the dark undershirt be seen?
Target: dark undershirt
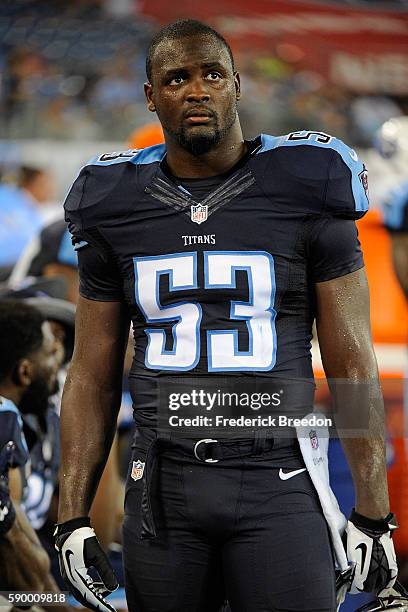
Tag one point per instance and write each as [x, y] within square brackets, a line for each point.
[199, 188]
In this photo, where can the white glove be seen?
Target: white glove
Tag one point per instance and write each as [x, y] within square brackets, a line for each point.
[371, 550]
[78, 550]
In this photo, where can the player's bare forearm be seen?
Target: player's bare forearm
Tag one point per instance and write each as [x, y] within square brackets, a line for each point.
[90, 403]
[343, 324]
[88, 423]
[366, 453]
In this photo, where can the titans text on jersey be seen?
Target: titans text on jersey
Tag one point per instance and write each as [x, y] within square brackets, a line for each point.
[239, 300]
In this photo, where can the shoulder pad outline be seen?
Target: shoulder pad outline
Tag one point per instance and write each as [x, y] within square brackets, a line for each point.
[145, 156]
[325, 141]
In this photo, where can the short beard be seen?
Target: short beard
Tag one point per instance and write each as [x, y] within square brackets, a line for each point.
[36, 397]
[200, 144]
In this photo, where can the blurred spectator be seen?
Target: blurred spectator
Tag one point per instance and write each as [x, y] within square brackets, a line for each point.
[38, 184]
[20, 219]
[76, 71]
[368, 113]
[50, 255]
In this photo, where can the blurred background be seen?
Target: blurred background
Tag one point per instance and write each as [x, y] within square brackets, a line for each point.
[71, 86]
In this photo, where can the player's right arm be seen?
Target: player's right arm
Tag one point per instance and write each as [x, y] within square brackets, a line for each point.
[92, 392]
[90, 403]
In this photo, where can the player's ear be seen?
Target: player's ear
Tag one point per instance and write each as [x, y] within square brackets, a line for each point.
[23, 374]
[148, 90]
[237, 81]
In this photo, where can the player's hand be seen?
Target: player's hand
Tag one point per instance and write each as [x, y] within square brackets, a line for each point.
[78, 550]
[371, 550]
[7, 511]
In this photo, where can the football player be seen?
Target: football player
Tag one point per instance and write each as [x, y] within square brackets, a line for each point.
[222, 251]
[28, 376]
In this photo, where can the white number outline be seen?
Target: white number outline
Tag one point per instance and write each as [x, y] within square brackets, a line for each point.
[209, 333]
[235, 317]
[178, 319]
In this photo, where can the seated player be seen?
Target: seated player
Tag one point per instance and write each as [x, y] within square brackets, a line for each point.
[51, 256]
[28, 376]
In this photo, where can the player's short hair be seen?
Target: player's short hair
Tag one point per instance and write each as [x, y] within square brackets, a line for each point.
[183, 28]
[20, 334]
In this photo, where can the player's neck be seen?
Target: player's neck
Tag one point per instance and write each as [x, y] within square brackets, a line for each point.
[219, 160]
[11, 393]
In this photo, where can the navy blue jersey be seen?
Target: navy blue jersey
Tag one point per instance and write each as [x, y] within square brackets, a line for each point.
[395, 209]
[223, 286]
[44, 445]
[11, 429]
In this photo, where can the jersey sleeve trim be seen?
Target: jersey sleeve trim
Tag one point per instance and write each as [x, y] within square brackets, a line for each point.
[90, 295]
[325, 141]
[146, 156]
[343, 270]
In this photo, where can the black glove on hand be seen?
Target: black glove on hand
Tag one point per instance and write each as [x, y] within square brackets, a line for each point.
[7, 511]
[78, 550]
[371, 549]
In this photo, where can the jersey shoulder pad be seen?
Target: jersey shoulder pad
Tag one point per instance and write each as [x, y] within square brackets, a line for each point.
[326, 157]
[395, 209]
[102, 182]
[149, 155]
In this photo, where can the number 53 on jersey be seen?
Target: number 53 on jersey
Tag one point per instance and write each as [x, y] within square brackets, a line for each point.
[220, 269]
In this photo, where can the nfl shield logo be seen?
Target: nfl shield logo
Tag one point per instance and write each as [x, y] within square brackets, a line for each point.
[199, 213]
[314, 441]
[137, 470]
[363, 176]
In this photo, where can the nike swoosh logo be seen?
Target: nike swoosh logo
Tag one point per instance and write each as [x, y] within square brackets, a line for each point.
[363, 553]
[353, 155]
[286, 475]
[68, 554]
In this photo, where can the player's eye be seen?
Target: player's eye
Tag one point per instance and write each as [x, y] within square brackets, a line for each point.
[213, 76]
[176, 80]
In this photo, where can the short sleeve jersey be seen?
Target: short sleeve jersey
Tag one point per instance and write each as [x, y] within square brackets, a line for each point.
[220, 284]
[11, 430]
[45, 463]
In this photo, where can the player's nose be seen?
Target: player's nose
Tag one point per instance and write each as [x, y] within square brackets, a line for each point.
[197, 92]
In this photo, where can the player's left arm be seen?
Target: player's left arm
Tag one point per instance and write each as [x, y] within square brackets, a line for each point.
[343, 324]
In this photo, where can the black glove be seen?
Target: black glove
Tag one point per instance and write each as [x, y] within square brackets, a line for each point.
[7, 511]
[371, 550]
[78, 550]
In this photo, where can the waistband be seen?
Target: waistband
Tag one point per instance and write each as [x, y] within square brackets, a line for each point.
[206, 450]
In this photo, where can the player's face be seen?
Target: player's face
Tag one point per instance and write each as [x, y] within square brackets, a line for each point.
[45, 364]
[194, 91]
